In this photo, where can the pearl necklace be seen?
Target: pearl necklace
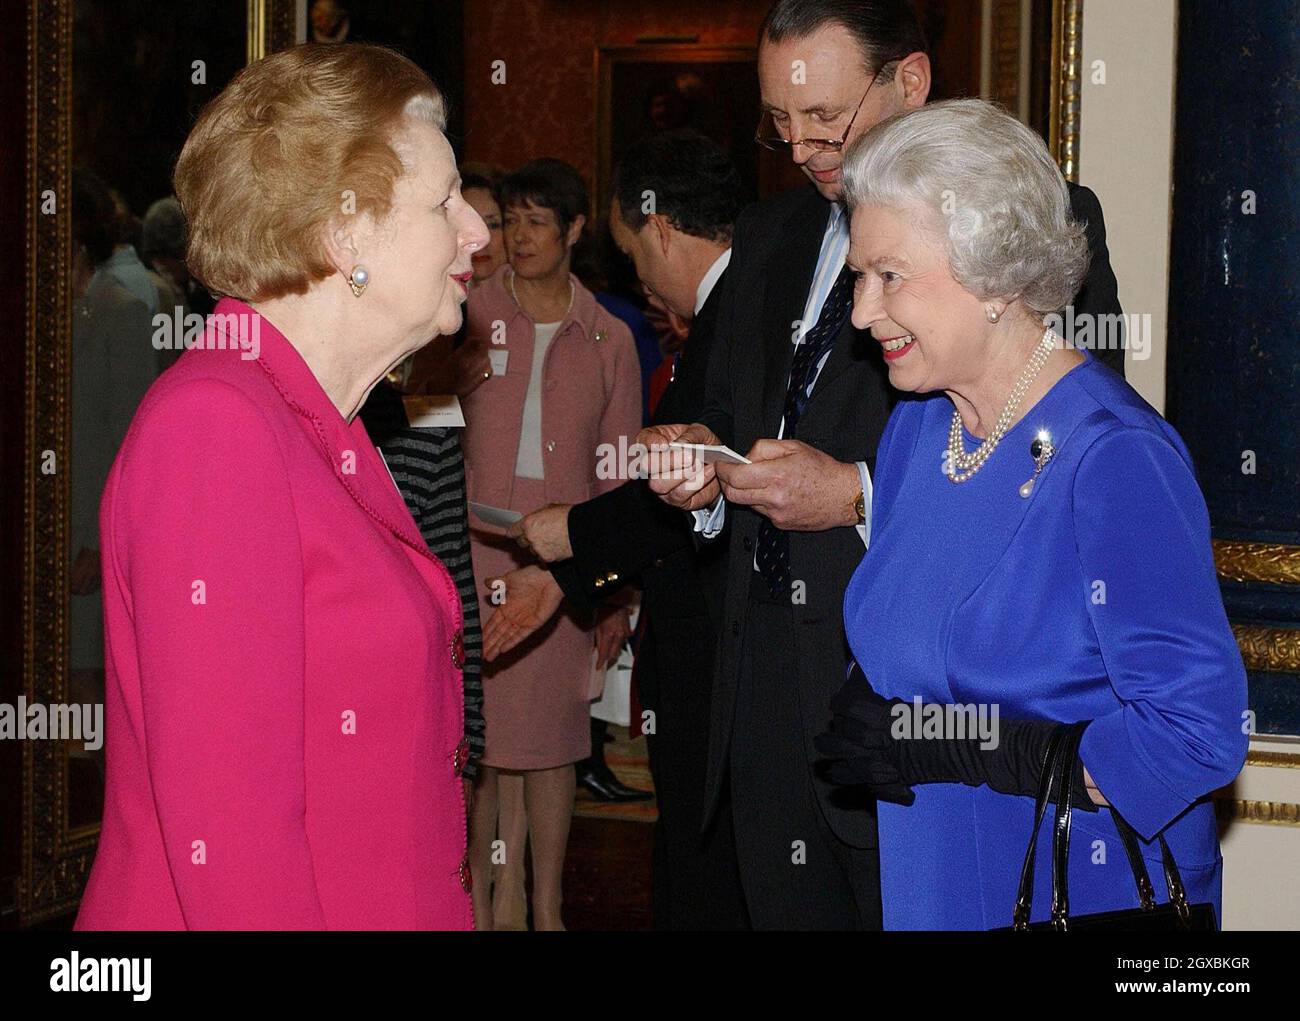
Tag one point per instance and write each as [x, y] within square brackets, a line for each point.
[961, 465]
[516, 297]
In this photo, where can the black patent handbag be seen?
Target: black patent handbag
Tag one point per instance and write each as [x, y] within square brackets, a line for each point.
[1054, 786]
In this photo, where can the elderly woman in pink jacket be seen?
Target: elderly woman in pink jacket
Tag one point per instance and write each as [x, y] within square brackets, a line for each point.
[565, 388]
[284, 732]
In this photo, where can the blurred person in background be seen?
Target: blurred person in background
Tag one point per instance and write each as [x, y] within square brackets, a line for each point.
[681, 254]
[565, 381]
[113, 365]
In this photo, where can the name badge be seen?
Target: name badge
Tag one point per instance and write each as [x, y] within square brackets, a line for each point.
[498, 358]
[427, 412]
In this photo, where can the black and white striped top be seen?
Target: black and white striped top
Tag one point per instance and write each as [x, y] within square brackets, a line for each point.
[429, 468]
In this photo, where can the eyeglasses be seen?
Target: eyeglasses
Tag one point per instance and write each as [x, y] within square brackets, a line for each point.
[773, 139]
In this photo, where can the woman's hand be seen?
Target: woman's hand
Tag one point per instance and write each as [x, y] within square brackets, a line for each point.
[613, 629]
[526, 599]
[1094, 792]
[865, 748]
[470, 368]
[858, 748]
[438, 369]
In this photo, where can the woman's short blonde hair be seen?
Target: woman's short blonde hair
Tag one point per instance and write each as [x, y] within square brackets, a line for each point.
[991, 189]
[295, 140]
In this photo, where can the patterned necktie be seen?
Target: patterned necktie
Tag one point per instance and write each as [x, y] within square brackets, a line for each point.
[773, 554]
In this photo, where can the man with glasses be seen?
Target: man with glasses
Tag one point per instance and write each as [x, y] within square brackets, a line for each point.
[806, 397]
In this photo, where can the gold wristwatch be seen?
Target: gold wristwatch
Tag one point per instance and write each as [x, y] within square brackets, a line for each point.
[860, 506]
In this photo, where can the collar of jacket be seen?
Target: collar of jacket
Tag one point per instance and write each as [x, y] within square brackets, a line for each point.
[346, 445]
[582, 314]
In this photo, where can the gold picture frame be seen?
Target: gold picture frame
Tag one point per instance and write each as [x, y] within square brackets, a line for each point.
[1033, 67]
[1066, 92]
[716, 66]
[54, 859]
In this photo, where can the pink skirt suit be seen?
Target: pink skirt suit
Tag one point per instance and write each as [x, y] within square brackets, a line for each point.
[537, 698]
[284, 703]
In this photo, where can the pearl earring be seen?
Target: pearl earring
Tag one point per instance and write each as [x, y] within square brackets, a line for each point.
[993, 315]
[358, 280]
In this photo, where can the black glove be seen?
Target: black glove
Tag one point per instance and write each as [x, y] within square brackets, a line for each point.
[858, 747]
[861, 750]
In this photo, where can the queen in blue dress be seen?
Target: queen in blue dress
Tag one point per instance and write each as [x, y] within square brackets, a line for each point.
[1039, 542]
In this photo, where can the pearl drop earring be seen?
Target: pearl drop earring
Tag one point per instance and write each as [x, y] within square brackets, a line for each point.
[993, 315]
[358, 280]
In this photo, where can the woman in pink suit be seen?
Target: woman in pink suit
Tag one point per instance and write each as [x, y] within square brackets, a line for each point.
[284, 695]
[567, 384]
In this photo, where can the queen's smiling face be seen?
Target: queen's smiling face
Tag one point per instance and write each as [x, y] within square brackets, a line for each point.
[930, 328]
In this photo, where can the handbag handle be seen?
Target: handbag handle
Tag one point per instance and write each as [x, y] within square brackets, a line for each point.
[1025, 895]
[1054, 784]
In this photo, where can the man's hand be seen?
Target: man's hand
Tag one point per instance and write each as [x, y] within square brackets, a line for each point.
[528, 600]
[613, 629]
[674, 474]
[545, 532]
[797, 487]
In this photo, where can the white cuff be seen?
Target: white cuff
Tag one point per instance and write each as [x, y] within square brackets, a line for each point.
[709, 522]
[864, 529]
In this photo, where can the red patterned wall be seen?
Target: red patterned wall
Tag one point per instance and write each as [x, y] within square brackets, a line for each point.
[547, 106]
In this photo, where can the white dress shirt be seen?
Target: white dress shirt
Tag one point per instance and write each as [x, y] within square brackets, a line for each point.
[710, 279]
[830, 261]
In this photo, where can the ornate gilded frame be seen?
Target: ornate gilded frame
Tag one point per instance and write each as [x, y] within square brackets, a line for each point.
[1041, 89]
[606, 61]
[1066, 69]
[56, 858]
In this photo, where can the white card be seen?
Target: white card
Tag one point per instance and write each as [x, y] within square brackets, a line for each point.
[501, 517]
[706, 453]
[498, 357]
[426, 412]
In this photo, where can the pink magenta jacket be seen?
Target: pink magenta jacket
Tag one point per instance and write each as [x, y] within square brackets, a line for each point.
[284, 703]
[591, 395]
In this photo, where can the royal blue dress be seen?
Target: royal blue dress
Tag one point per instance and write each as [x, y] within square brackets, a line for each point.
[1093, 599]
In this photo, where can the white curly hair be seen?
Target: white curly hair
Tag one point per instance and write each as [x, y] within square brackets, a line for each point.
[989, 188]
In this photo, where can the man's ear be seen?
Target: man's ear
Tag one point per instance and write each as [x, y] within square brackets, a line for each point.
[912, 78]
[575, 230]
[662, 231]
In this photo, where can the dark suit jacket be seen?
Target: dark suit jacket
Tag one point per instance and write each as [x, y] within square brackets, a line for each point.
[774, 255]
[629, 534]
[1099, 294]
